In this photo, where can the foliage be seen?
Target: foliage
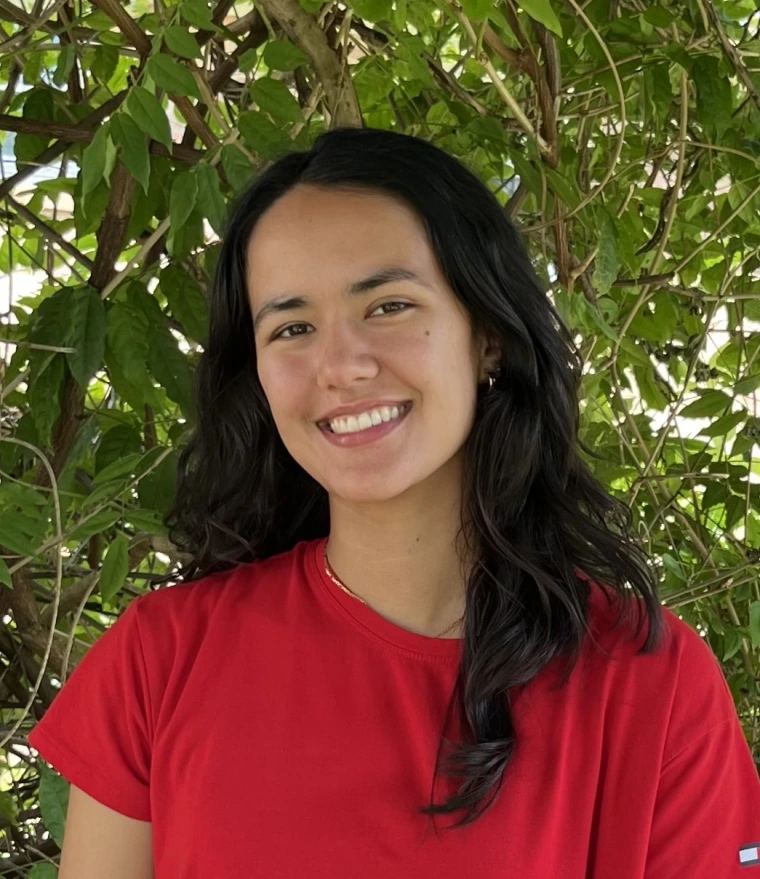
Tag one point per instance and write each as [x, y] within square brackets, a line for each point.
[623, 136]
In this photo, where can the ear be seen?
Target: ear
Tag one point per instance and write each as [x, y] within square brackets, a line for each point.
[489, 355]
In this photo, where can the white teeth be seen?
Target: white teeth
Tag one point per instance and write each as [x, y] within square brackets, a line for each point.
[356, 423]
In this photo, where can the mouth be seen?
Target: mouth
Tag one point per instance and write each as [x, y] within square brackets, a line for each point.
[403, 410]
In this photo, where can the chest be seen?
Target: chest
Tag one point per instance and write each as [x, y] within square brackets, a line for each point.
[325, 779]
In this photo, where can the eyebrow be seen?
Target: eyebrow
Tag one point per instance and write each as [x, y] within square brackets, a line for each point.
[376, 279]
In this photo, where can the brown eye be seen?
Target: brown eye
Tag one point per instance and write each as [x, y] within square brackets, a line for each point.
[404, 306]
[280, 333]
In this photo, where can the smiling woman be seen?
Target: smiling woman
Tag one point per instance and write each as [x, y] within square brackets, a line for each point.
[396, 550]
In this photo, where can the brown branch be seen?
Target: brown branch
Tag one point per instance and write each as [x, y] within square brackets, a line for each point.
[31, 631]
[126, 24]
[89, 124]
[19, 39]
[526, 62]
[223, 74]
[49, 232]
[65, 18]
[560, 245]
[195, 121]
[14, 74]
[15, 14]
[643, 279]
[303, 30]
[76, 134]
[71, 598]
[132, 31]
[110, 237]
[732, 53]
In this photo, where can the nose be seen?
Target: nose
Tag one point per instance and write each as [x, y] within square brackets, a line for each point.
[343, 356]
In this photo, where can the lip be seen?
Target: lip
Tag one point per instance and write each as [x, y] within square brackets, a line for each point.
[357, 408]
[363, 437]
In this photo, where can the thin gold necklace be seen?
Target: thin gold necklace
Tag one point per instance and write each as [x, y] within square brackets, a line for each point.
[331, 575]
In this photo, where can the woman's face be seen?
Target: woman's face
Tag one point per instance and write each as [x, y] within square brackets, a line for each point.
[405, 343]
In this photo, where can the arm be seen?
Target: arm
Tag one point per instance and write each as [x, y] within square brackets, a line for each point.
[100, 842]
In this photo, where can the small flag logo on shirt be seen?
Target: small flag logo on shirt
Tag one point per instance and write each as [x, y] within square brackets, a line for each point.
[749, 855]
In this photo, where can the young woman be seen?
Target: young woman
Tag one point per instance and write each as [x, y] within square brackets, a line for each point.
[411, 607]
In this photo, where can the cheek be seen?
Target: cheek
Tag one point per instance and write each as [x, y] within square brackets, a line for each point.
[286, 383]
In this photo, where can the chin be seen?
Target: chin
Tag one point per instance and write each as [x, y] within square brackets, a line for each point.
[359, 492]
[371, 488]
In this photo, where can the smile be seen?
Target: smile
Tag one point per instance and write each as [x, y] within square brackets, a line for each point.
[366, 427]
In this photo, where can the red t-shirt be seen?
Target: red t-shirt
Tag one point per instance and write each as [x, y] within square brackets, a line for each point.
[272, 726]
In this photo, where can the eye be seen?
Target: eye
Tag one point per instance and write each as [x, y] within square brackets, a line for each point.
[280, 334]
[405, 305]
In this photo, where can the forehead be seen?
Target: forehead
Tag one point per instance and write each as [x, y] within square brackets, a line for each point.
[332, 236]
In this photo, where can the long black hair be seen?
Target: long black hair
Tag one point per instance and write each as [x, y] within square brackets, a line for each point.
[536, 514]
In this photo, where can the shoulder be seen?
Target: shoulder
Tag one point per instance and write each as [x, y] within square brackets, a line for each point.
[202, 598]
[613, 619]
[680, 680]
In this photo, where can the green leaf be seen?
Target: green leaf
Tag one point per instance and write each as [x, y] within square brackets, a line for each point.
[156, 490]
[748, 384]
[373, 10]
[117, 469]
[247, 60]
[210, 199]
[88, 333]
[165, 361]
[275, 98]
[44, 395]
[127, 336]
[197, 13]
[54, 801]
[104, 64]
[677, 53]
[541, 10]
[65, 65]
[117, 442]
[477, 10]
[182, 199]
[283, 55]
[606, 263]
[14, 536]
[714, 98]
[146, 520]
[115, 568]
[134, 147]
[8, 807]
[186, 301]
[712, 402]
[95, 524]
[658, 17]
[236, 166]
[94, 160]
[754, 623]
[38, 105]
[262, 135]
[182, 42]
[146, 110]
[5, 574]
[43, 871]
[172, 76]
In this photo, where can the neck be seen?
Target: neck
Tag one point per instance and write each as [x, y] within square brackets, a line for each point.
[400, 556]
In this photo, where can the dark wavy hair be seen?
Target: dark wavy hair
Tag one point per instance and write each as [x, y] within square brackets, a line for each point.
[537, 518]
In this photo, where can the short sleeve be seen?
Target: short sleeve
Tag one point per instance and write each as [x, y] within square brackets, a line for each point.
[96, 732]
[706, 819]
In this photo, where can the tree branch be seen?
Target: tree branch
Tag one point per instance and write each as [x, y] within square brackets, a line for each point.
[302, 29]
[732, 53]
